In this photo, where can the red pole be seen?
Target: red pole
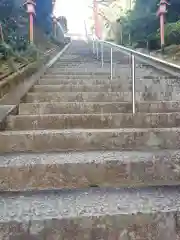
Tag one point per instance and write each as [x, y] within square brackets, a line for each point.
[162, 10]
[30, 5]
[162, 29]
[31, 30]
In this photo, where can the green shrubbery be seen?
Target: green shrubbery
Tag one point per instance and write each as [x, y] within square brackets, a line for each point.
[142, 24]
[172, 33]
[14, 24]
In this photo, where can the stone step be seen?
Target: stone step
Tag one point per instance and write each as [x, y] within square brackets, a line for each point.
[81, 97]
[75, 108]
[69, 61]
[73, 87]
[80, 64]
[101, 177]
[97, 107]
[25, 172]
[124, 79]
[92, 214]
[83, 70]
[68, 121]
[76, 71]
[80, 77]
[79, 81]
[76, 88]
[99, 72]
[86, 65]
[125, 82]
[140, 139]
[151, 93]
[76, 63]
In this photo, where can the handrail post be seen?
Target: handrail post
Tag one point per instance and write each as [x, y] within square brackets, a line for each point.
[133, 74]
[111, 64]
[102, 54]
[93, 46]
[97, 49]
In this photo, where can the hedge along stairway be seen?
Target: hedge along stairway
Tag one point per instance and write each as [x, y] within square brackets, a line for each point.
[76, 164]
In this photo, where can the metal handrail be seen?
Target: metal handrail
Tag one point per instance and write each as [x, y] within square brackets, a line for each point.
[171, 68]
[144, 57]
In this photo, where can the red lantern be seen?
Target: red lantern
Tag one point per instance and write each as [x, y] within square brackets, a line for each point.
[162, 7]
[30, 5]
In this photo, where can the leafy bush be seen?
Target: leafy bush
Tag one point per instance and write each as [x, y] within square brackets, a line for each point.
[142, 24]
[172, 33]
[14, 24]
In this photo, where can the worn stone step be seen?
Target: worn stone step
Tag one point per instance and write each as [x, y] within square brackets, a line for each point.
[99, 72]
[74, 107]
[152, 93]
[80, 77]
[118, 120]
[76, 72]
[82, 65]
[70, 60]
[125, 81]
[78, 81]
[81, 97]
[92, 214]
[76, 88]
[66, 63]
[86, 65]
[90, 139]
[97, 107]
[84, 70]
[24, 172]
[75, 63]
[87, 87]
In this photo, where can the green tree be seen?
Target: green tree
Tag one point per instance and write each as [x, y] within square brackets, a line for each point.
[143, 24]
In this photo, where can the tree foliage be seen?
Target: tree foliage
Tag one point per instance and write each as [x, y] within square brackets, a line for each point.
[142, 24]
[14, 24]
[172, 33]
[43, 15]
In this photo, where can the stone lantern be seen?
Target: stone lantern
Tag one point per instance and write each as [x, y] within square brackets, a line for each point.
[30, 8]
[162, 10]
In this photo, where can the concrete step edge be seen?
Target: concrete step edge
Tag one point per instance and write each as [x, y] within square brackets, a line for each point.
[24, 172]
[89, 139]
[103, 120]
[90, 213]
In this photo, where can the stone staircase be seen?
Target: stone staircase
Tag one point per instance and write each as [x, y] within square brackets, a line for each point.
[76, 164]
